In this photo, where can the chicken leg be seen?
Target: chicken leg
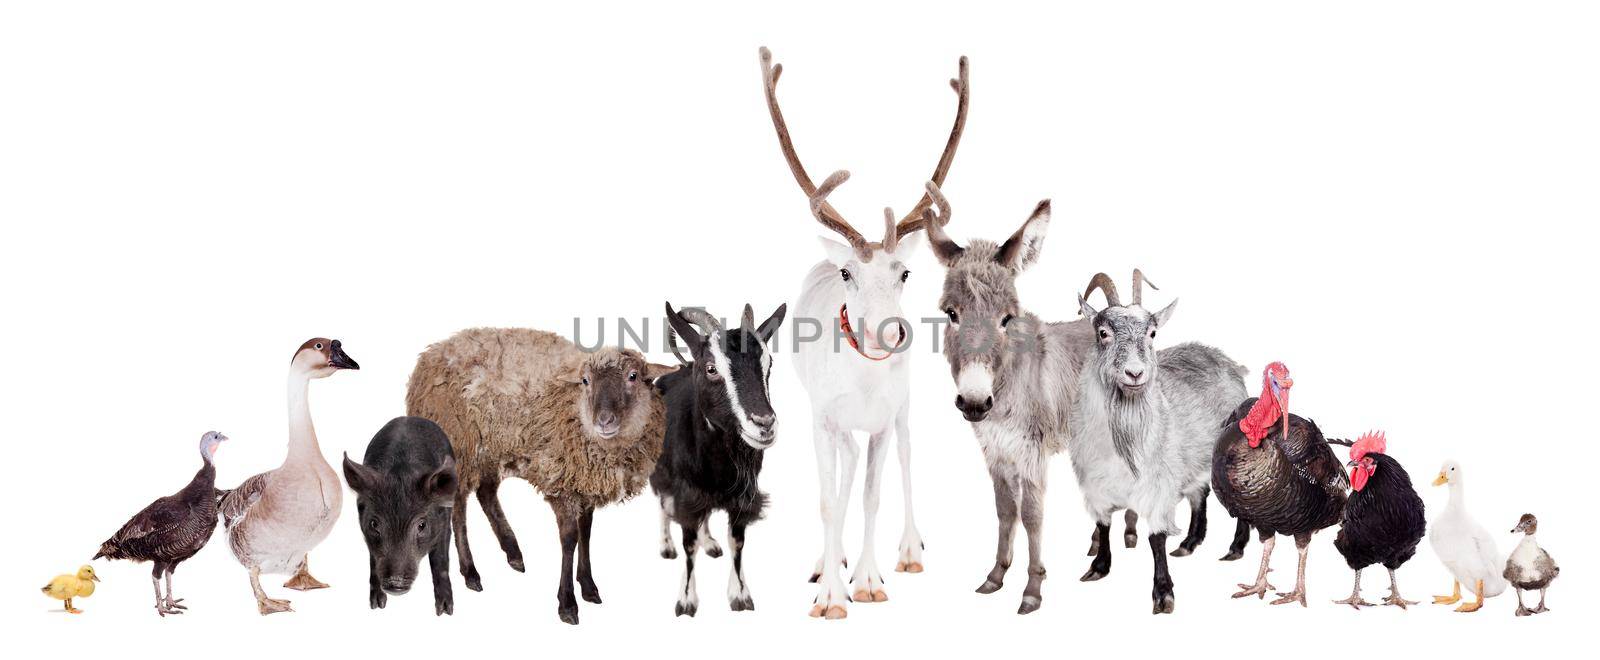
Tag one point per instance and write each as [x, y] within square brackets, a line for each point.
[1303, 544]
[302, 580]
[1355, 600]
[1474, 605]
[1261, 587]
[1453, 598]
[1394, 597]
[264, 604]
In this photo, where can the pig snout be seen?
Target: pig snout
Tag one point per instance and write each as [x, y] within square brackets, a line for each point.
[397, 580]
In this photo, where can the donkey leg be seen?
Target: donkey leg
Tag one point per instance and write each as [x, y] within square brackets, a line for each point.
[1033, 522]
[1006, 508]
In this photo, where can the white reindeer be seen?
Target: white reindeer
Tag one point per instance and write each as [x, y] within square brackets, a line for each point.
[864, 385]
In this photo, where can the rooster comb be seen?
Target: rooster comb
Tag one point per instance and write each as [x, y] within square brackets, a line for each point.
[1369, 442]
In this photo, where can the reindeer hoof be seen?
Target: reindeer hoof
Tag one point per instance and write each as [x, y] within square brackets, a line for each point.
[836, 612]
[1029, 605]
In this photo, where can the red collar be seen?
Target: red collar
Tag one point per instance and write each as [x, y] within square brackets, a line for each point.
[850, 335]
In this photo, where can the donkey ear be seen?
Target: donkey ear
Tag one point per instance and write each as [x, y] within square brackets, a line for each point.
[1166, 313]
[770, 326]
[944, 249]
[1084, 308]
[440, 485]
[361, 478]
[1022, 249]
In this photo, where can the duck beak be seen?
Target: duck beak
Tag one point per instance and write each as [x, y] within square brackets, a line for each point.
[1441, 480]
[338, 359]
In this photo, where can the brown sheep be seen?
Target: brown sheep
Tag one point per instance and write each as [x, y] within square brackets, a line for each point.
[584, 428]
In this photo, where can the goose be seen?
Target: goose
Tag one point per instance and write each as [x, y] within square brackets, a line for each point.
[274, 518]
[1464, 546]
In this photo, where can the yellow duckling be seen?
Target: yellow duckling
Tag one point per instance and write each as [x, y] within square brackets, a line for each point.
[67, 587]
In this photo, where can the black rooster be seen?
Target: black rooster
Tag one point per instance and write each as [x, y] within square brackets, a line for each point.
[172, 529]
[1383, 520]
[1275, 472]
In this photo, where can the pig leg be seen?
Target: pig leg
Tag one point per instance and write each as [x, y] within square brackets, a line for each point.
[567, 515]
[458, 528]
[591, 592]
[444, 601]
[376, 599]
[489, 500]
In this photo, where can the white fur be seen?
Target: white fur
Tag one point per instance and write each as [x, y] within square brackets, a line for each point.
[850, 393]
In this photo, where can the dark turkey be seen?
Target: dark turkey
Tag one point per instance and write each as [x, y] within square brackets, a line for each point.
[171, 529]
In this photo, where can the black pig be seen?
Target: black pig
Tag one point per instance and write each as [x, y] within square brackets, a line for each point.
[404, 492]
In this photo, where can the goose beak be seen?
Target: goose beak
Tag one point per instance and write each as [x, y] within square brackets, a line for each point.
[338, 359]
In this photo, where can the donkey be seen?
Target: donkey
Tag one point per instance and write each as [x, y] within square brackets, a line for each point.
[1016, 378]
[719, 423]
[865, 387]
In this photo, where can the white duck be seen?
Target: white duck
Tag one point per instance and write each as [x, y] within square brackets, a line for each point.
[274, 518]
[1464, 546]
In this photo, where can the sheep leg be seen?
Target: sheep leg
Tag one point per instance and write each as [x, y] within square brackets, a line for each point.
[458, 528]
[444, 601]
[1197, 524]
[688, 596]
[489, 501]
[1161, 594]
[909, 559]
[1101, 566]
[1302, 543]
[1006, 510]
[1130, 529]
[1033, 522]
[591, 592]
[867, 584]
[738, 590]
[567, 515]
[1241, 538]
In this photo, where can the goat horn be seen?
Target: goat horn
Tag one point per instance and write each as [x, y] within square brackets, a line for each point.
[701, 318]
[1103, 282]
[1138, 280]
[748, 323]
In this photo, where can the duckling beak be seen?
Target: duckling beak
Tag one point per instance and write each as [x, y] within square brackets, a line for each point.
[96, 578]
[1441, 480]
[338, 359]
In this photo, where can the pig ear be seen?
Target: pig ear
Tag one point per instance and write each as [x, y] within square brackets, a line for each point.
[361, 478]
[440, 485]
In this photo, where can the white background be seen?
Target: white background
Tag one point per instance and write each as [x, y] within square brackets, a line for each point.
[1393, 198]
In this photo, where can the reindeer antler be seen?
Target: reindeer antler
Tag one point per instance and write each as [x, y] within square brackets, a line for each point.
[937, 196]
[1103, 282]
[1139, 279]
[825, 213]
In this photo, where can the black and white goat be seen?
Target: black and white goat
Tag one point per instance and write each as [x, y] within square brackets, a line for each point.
[719, 422]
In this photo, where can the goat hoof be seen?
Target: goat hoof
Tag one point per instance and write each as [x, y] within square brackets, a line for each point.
[989, 587]
[1092, 575]
[517, 565]
[742, 604]
[686, 609]
[1163, 604]
[1029, 605]
[1130, 541]
[1232, 555]
[669, 553]
[814, 578]
[1182, 551]
[714, 551]
[568, 615]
